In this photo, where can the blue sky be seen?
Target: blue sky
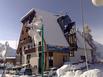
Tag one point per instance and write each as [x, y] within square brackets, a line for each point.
[11, 12]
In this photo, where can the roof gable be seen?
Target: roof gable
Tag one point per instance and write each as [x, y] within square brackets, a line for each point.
[53, 34]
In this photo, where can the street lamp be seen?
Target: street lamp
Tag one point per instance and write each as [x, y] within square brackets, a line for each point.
[37, 26]
[97, 2]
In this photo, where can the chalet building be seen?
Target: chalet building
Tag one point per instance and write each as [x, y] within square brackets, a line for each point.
[62, 42]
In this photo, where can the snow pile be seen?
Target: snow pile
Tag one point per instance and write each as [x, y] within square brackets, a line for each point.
[72, 73]
[62, 70]
[78, 73]
[69, 67]
[69, 74]
[92, 73]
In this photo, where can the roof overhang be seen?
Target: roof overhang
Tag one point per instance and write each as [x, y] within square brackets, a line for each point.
[58, 48]
[32, 11]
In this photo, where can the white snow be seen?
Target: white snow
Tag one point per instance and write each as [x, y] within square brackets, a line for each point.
[12, 43]
[69, 67]
[78, 73]
[62, 70]
[92, 73]
[69, 74]
[10, 53]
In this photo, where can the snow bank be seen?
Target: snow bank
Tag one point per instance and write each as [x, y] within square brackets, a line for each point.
[69, 67]
[73, 73]
[69, 74]
[62, 70]
[92, 73]
[78, 73]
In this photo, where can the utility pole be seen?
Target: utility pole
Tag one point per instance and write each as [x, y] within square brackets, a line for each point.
[83, 22]
[42, 65]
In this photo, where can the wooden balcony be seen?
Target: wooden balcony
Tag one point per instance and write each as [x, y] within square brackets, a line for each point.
[30, 50]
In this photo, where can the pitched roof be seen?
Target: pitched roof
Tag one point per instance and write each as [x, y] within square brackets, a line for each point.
[11, 53]
[53, 34]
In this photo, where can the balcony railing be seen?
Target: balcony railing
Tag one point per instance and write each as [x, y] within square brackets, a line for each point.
[30, 50]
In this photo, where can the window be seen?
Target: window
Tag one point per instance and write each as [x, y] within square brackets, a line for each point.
[28, 46]
[83, 58]
[24, 38]
[64, 58]
[28, 58]
[20, 49]
[71, 54]
[39, 43]
[24, 47]
[39, 47]
[30, 39]
[51, 59]
[26, 29]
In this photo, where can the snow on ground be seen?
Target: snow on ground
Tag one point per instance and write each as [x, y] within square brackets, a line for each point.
[95, 70]
[69, 73]
[89, 73]
[78, 73]
[69, 67]
[92, 73]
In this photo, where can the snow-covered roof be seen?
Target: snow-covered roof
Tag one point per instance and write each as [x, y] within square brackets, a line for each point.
[32, 10]
[10, 53]
[53, 34]
[1, 47]
[80, 41]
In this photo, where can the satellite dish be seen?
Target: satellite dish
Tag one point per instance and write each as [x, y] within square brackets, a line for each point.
[97, 2]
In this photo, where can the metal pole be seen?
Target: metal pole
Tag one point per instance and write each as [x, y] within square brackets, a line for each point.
[42, 64]
[85, 49]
